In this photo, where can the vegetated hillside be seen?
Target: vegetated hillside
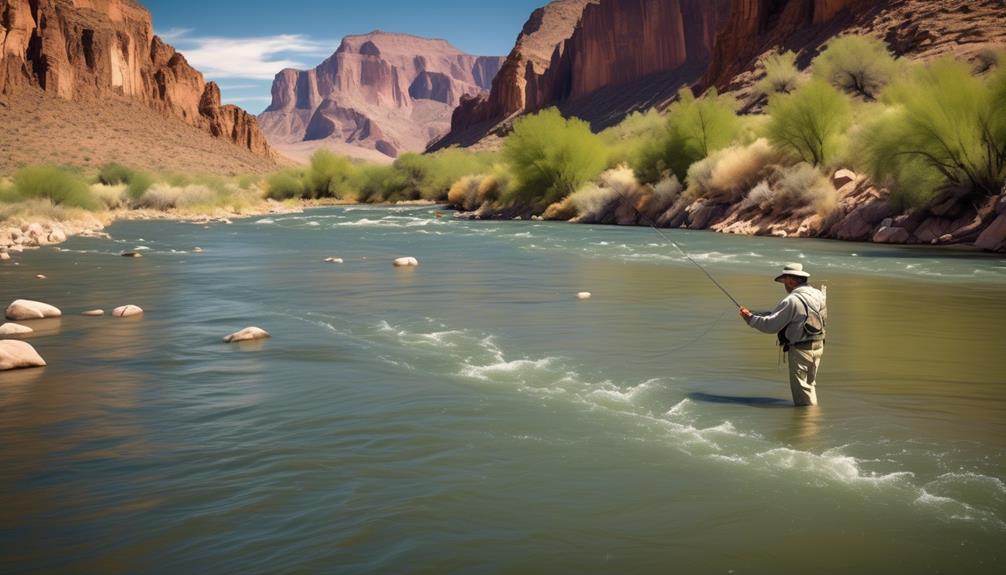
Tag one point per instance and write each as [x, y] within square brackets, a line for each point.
[377, 96]
[89, 52]
[42, 128]
[619, 56]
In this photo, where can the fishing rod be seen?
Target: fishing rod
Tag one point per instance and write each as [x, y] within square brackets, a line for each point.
[650, 223]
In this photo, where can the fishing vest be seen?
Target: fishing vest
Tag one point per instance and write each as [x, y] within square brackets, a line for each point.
[814, 324]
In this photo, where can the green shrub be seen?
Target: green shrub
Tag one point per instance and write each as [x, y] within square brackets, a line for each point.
[430, 176]
[136, 182]
[809, 123]
[860, 65]
[329, 176]
[626, 139]
[944, 129]
[55, 184]
[696, 127]
[376, 183]
[285, 185]
[551, 156]
[781, 75]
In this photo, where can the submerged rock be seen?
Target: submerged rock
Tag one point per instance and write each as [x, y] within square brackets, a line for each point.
[94, 313]
[406, 262]
[247, 334]
[132, 254]
[15, 329]
[127, 311]
[16, 354]
[24, 309]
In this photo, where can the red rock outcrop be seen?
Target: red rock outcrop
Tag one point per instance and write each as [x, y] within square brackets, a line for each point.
[379, 91]
[92, 49]
[610, 58]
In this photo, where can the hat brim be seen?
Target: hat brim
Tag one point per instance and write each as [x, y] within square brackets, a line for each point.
[793, 274]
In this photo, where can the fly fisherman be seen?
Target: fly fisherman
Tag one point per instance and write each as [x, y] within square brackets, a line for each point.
[799, 322]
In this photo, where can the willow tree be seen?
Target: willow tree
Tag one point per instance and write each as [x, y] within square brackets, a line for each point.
[809, 123]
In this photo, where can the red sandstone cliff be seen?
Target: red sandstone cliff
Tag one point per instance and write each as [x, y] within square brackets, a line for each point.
[606, 59]
[85, 50]
[379, 92]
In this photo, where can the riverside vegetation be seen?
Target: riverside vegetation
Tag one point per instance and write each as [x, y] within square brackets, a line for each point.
[911, 141]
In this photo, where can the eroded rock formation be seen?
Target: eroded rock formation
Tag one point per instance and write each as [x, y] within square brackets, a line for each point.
[92, 49]
[380, 91]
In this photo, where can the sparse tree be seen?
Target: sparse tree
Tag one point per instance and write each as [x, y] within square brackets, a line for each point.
[809, 123]
[859, 65]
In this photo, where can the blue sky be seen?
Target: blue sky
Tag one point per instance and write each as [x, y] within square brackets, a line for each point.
[242, 44]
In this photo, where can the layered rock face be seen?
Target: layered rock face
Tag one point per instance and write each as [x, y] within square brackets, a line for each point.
[607, 58]
[380, 91]
[93, 49]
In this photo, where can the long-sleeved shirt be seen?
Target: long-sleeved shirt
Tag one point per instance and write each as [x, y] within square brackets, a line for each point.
[790, 314]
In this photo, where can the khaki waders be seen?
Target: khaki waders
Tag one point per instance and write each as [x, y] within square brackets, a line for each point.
[804, 359]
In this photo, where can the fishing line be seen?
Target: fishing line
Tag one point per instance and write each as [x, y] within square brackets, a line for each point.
[650, 223]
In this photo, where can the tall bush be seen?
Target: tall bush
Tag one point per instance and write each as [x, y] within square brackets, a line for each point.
[58, 185]
[809, 123]
[860, 65]
[781, 75]
[551, 156]
[944, 129]
[329, 176]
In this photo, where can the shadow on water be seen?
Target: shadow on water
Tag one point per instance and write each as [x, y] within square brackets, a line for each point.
[740, 400]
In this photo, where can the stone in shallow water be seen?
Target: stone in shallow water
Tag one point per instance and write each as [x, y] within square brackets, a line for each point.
[24, 309]
[333, 260]
[15, 329]
[132, 254]
[247, 334]
[583, 295]
[16, 354]
[94, 313]
[127, 311]
[406, 262]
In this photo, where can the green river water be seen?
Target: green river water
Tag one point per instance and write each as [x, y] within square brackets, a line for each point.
[471, 416]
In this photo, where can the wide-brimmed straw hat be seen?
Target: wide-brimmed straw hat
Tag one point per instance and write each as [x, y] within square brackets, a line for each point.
[795, 270]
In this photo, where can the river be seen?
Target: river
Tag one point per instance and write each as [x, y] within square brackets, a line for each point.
[470, 415]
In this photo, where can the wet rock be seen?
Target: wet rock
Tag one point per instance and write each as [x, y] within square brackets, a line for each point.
[994, 236]
[333, 260]
[16, 354]
[931, 229]
[891, 235]
[25, 309]
[94, 313]
[406, 262]
[247, 334]
[127, 311]
[583, 295]
[40, 276]
[15, 329]
[197, 250]
[132, 254]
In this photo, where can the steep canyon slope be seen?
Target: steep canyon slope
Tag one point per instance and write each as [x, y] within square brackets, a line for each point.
[104, 52]
[378, 95]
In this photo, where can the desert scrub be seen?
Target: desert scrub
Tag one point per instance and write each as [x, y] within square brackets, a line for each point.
[136, 181]
[550, 157]
[809, 123]
[779, 74]
[860, 65]
[329, 176]
[726, 176]
[430, 176]
[474, 192]
[696, 127]
[944, 129]
[799, 190]
[285, 185]
[57, 185]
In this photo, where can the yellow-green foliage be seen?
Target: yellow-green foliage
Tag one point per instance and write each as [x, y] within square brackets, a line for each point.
[55, 184]
[696, 127]
[329, 176]
[860, 65]
[551, 156]
[380, 183]
[625, 140]
[809, 123]
[781, 75]
[285, 185]
[430, 176]
[944, 128]
[136, 182]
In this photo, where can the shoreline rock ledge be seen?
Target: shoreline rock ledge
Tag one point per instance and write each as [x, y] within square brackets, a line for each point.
[25, 309]
[15, 354]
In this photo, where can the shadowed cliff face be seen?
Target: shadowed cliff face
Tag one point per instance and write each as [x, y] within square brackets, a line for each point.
[380, 91]
[632, 54]
[87, 49]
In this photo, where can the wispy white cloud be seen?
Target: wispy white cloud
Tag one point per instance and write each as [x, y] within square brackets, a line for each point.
[250, 58]
[174, 34]
[250, 99]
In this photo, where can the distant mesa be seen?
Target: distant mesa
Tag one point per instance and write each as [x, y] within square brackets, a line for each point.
[379, 95]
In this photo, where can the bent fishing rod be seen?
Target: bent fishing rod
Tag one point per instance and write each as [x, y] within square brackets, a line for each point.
[650, 223]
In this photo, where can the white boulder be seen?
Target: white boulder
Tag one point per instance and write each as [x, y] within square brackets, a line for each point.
[247, 334]
[94, 313]
[333, 260]
[24, 309]
[16, 354]
[406, 262]
[15, 329]
[583, 295]
[127, 311]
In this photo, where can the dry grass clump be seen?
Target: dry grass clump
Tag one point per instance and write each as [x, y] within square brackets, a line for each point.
[112, 197]
[799, 190]
[471, 193]
[726, 176]
[618, 197]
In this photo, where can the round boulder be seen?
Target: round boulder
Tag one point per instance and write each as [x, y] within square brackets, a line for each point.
[127, 311]
[583, 295]
[406, 262]
[25, 309]
[15, 329]
[16, 354]
[247, 334]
